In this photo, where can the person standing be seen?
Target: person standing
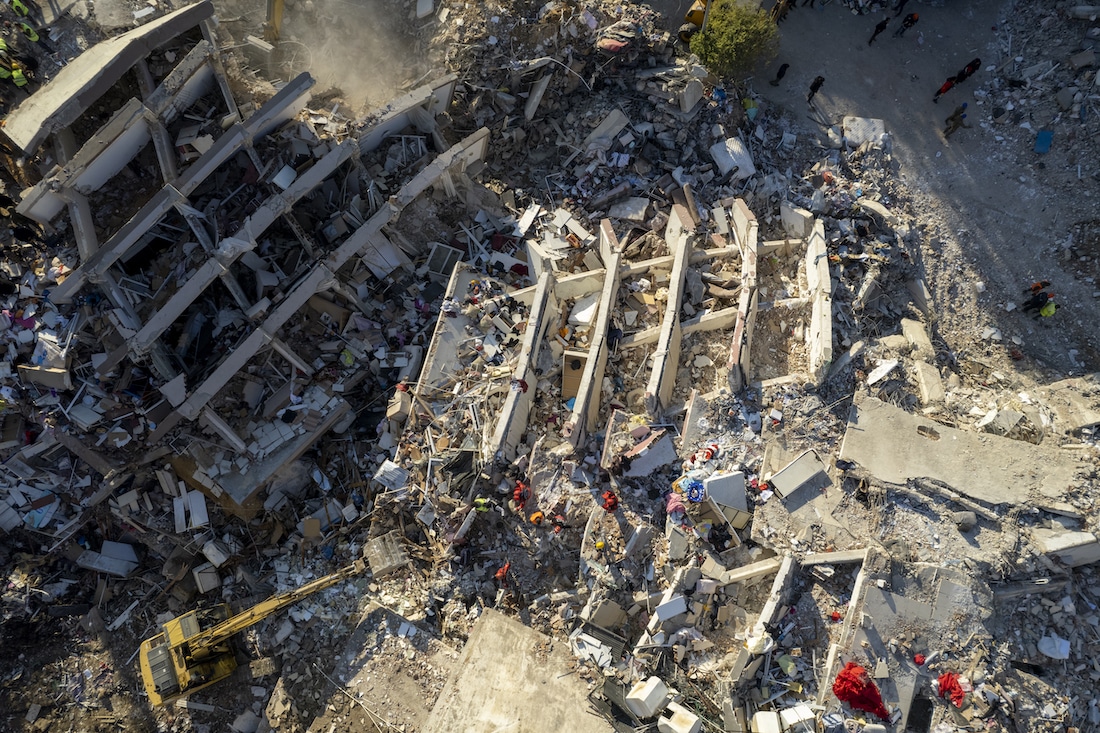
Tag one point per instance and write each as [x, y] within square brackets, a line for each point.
[879, 29]
[956, 115]
[784, 8]
[945, 88]
[906, 23]
[954, 125]
[900, 7]
[779, 74]
[1048, 310]
[814, 87]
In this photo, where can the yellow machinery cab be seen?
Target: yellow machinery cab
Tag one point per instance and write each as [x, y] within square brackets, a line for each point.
[169, 669]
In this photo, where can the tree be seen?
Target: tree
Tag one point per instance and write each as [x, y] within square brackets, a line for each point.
[736, 40]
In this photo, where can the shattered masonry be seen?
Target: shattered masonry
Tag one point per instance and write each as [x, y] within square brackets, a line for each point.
[669, 441]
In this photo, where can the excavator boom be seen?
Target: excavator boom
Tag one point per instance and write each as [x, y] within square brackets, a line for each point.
[219, 633]
[193, 650]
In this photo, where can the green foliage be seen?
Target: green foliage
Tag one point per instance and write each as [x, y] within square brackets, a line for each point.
[737, 39]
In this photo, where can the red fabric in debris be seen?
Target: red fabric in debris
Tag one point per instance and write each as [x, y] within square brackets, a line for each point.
[949, 686]
[855, 687]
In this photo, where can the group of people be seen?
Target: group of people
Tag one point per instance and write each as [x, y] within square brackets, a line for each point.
[907, 22]
[1040, 303]
[954, 121]
[958, 78]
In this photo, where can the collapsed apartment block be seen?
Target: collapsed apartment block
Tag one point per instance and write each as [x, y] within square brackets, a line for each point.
[239, 271]
[608, 413]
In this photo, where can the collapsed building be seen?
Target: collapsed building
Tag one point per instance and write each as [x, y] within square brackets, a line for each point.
[248, 339]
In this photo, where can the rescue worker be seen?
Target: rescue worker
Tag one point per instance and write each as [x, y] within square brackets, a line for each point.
[15, 73]
[536, 518]
[33, 37]
[610, 501]
[1037, 302]
[482, 505]
[519, 495]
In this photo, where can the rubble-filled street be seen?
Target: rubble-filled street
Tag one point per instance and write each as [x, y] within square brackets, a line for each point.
[421, 365]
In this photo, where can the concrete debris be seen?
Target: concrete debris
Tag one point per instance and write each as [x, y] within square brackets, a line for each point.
[564, 333]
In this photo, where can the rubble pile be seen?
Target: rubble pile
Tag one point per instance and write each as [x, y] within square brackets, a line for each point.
[1046, 85]
[571, 334]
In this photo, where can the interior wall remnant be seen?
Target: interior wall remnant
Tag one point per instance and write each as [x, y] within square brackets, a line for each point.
[819, 335]
[586, 408]
[745, 230]
[666, 357]
[517, 406]
[431, 99]
[847, 631]
[466, 154]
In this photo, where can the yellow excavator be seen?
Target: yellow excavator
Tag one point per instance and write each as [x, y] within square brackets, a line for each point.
[694, 20]
[193, 651]
[273, 28]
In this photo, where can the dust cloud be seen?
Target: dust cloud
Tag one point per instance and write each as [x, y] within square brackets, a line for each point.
[368, 49]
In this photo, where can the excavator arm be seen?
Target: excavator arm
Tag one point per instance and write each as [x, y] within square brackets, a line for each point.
[274, 26]
[221, 632]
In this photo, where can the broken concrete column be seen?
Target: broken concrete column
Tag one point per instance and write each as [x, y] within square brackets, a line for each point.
[929, 383]
[917, 336]
[1085, 12]
[797, 222]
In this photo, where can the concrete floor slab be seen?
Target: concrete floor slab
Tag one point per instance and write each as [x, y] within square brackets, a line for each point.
[896, 446]
[509, 678]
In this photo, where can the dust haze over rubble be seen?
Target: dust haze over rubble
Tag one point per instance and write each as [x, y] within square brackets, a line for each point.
[649, 400]
[368, 49]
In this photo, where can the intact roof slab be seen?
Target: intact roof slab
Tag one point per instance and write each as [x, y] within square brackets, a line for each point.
[504, 681]
[86, 78]
[895, 446]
